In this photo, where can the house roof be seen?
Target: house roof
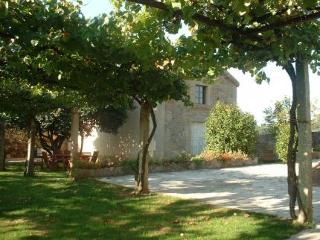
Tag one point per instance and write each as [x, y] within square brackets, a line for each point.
[231, 78]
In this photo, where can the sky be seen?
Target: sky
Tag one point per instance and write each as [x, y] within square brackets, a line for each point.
[252, 97]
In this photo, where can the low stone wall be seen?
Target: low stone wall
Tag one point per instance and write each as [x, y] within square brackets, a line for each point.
[315, 155]
[170, 167]
[316, 139]
[316, 175]
[266, 148]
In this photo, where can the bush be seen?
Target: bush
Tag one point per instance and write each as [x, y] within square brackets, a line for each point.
[228, 129]
[198, 161]
[277, 121]
[182, 157]
[210, 155]
[282, 141]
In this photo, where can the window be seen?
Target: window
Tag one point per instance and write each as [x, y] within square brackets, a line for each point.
[200, 94]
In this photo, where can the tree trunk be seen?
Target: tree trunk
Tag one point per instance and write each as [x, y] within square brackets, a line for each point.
[29, 171]
[292, 144]
[143, 171]
[74, 135]
[2, 146]
[305, 142]
[142, 178]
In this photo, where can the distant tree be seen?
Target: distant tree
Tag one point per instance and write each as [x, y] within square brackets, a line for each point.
[315, 121]
[21, 103]
[53, 128]
[277, 119]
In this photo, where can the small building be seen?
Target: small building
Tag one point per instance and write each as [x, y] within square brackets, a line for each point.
[180, 128]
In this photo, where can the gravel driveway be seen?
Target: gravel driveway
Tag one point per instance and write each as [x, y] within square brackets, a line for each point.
[261, 188]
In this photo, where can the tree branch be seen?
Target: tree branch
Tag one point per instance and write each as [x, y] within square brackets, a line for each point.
[286, 22]
[242, 30]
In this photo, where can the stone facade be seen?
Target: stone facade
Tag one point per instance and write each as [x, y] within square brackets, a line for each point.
[179, 130]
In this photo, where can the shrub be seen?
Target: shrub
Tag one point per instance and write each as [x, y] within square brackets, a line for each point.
[130, 164]
[282, 141]
[210, 155]
[182, 157]
[198, 161]
[277, 121]
[228, 129]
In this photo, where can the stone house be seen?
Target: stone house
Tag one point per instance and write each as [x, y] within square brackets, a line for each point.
[180, 128]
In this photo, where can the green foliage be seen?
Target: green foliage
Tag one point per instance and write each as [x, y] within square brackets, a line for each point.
[277, 115]
[182, 157]
[198, 161]
[107, 60]
[52, 49]
[230, 130]
[277, 123]
[241, 34]
[282, 141]
[110, 119]
[150, 74]
[315, 116]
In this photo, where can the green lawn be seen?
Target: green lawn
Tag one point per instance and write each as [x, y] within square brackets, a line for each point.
[54, 207]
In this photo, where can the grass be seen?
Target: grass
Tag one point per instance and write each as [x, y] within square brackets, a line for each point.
[51, 206]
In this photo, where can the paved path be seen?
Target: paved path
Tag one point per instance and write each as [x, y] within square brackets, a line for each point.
[261, 188]
[313, 234]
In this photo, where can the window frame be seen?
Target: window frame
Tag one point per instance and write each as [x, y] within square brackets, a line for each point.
[200, 94]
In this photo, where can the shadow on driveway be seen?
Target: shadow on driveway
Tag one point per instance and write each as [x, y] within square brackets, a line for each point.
[261, 188]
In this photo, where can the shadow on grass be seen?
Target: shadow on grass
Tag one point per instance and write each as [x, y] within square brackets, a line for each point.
[52, 206]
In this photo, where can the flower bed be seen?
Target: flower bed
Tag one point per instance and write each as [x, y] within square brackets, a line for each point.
[128, 167]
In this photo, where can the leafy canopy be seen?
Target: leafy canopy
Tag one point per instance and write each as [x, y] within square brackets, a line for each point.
[240, 34]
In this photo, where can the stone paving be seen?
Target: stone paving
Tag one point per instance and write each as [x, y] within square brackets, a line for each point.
[309, 234]
[260, 188]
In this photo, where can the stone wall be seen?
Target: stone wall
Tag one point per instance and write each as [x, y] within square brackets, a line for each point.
[316, 139]
[266, 146]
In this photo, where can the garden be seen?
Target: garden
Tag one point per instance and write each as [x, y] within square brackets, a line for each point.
[63, 75]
